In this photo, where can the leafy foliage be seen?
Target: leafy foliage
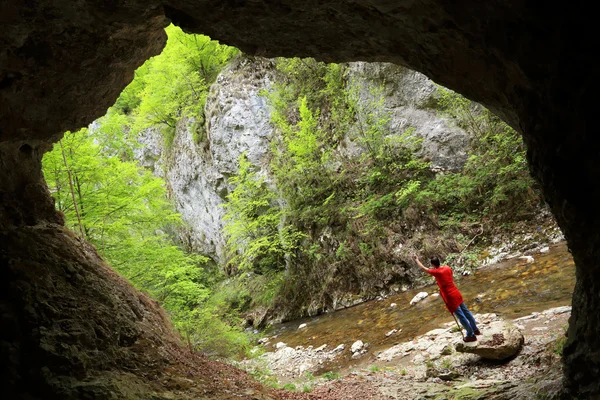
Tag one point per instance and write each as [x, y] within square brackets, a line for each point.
[173, 84]
[253, 217]
[124, 210]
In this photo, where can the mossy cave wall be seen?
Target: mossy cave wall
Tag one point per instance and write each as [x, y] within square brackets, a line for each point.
[63, 63]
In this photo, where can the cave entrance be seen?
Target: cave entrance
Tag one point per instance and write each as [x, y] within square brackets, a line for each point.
[534, 67]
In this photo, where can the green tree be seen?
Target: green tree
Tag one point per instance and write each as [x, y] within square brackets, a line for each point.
[171, 85]
[123, 210]
[176, 82]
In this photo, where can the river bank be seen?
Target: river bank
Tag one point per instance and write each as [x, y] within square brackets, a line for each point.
[428, 367]
[408, 350]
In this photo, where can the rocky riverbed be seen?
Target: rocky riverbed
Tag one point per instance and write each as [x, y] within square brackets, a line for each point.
[428, 366]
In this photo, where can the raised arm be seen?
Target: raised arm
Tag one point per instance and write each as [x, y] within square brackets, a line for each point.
[419, 263]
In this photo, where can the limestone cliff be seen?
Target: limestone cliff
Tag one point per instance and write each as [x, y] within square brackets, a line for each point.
[410, 99]
[238, 121]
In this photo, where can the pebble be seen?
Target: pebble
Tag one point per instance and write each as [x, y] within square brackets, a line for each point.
[390, 333]
[320, 348]
[340, 347]
[393, 305]
[302, 326]
[280, 345]
[528, 259]
[544, 249]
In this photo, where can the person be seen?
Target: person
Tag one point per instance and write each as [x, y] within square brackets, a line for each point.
[452, 296]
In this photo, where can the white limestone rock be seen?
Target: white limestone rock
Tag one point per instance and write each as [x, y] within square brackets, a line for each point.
[420, 296]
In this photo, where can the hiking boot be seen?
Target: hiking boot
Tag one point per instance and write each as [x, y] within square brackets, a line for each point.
[477, 332]
[470, 339]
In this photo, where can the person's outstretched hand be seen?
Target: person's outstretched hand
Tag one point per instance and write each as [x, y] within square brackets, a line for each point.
[415, 257]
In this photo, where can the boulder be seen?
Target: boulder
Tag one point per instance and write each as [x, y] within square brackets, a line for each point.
[500, 340]
[357, 346]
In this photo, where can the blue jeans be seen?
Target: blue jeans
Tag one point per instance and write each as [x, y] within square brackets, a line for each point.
[466, 319]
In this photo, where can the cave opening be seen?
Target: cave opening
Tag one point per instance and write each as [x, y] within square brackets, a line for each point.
[526, 64]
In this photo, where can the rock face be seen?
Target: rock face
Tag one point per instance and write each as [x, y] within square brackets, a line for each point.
[63, 63]
[79, 329]
[150, 153]
[410, 98]
[238, 122]
[499, 341]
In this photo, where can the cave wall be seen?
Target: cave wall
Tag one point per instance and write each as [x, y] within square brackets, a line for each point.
[63, 63]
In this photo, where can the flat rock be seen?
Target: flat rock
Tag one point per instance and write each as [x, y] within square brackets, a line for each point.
[557, 310]
[437, 332]
[500, 340]
[439, 349]
[391, 353]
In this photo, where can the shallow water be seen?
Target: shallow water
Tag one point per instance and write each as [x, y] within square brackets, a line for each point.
[510, 289]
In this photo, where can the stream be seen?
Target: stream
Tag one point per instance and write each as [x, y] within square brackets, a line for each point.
[510, 289]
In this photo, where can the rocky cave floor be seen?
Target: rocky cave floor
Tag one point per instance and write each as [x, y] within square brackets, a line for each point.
[427, 367]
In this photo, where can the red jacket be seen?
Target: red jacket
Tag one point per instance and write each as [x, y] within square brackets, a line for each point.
[448, 290]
